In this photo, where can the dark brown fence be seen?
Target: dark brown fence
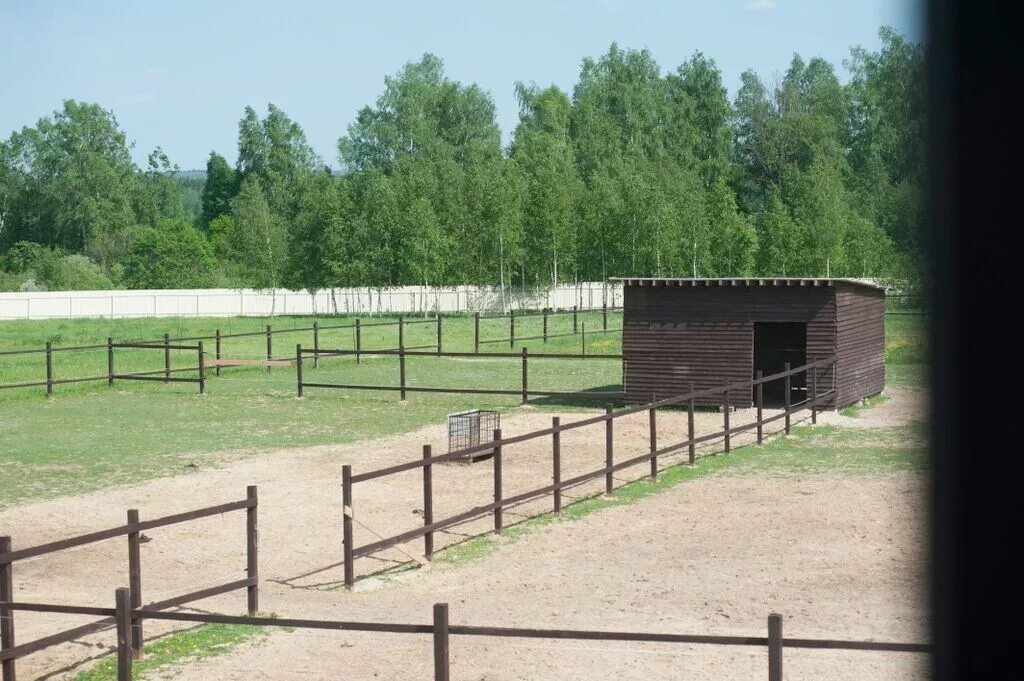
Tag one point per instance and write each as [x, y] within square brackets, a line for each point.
[442, 630]
[221, 359]
[523, 391]
[816, 394]
[10, 652]
[577, 327]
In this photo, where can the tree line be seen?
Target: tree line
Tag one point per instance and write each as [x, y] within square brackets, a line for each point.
[636, 172]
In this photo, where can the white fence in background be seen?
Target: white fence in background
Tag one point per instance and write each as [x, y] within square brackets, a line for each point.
[252, 303]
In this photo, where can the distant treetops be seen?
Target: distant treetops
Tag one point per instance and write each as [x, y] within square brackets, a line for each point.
[638, 172]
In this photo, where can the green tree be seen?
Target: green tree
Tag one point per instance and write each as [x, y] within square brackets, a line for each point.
[220, 188]
[706, 110]
[778, 239]
[428, 149]
[158, 195]
[69, 179]
[733, 240]
[174, 254]
[543, 154]
[257, 244]
[319, 252]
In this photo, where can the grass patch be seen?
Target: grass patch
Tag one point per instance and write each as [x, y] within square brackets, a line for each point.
[906, 339]
[209, 640]
[854, 410]
[911, 376]
[77, 442]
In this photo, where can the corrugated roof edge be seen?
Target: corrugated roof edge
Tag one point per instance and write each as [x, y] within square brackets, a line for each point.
[745, 281]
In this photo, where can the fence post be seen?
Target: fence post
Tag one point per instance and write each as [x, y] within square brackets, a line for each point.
[689, 427]
[216, 351]
[123, 617]
[604, 317]
[511, 328]
[346, 525]
[439, 333]
[725, 412]
[7, 616]
[110, 361]
[270, 347]
[760, 408]
[49, 369]
[428, 504]
[556, 462]
[202, 369]
[814, 391]
[583, 340]
[442, 668]
[298, 368]
[476, 333]
[774, 647]
[316, 345]
[359, 343]
[497, 482]
[401, 372]
[401, 333]
[787, 387]
[135, 582]
[526, 394]
[544, 313]
[653, 415]
[574, 320]
[252, 565]
[167, 358]
[609, 456]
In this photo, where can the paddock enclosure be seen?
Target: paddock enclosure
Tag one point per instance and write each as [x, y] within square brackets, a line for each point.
[690, 560]
[684, 334]
[359, 541]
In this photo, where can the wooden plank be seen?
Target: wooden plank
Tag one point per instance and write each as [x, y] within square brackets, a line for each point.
[91, 537]
[7, 667]
[228, 362]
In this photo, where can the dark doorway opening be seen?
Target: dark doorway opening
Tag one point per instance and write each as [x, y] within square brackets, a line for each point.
[776, 343]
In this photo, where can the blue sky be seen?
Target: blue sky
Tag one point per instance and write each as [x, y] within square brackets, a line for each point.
[179, 74]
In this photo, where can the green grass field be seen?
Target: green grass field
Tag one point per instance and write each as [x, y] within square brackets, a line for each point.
[90, 436]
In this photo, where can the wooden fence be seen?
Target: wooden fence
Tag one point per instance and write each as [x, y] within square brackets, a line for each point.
[577, 327]
[220, 359]
[523, 391]
[442, 630]
[811, 371]
[10, 652]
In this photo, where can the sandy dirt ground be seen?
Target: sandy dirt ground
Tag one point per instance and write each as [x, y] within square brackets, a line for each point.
[840, 556]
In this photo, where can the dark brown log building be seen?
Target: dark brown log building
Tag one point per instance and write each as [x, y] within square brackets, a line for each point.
[711, 332]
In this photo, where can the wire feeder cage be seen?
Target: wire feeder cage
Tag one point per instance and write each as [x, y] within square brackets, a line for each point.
[471, 428]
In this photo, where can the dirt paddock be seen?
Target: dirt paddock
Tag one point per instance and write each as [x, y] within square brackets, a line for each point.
[840, 556]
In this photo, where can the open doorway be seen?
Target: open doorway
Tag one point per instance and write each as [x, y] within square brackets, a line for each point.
[776, 343]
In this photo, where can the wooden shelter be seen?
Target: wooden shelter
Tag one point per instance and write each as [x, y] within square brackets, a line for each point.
[711, 332]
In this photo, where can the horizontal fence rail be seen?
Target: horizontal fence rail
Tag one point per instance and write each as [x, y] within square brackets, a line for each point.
[817, 394]
[10, 651]
[524, 392]
[442, 630]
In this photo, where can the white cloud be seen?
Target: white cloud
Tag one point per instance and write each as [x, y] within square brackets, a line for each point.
[757, 5]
